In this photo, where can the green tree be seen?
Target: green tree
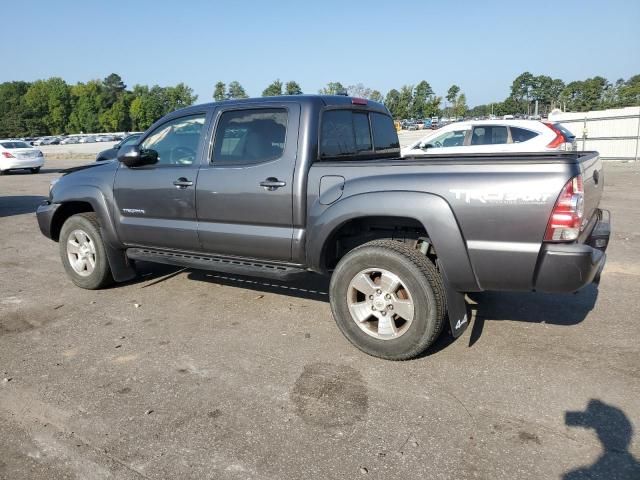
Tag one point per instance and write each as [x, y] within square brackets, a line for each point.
[460, 109]
[405, 101]
[219, 92]
[392, 102]
[452, 93]
[332, 88]
[113, 89]
[116, 118]
[422, 94]
[292, 88]
[236, 91]
[273, 90]
[179, 96]
[629, 92]
[376, 96]
[15, 119]
[50, 102]
[87, 106]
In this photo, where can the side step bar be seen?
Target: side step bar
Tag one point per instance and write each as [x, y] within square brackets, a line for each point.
[230, 265]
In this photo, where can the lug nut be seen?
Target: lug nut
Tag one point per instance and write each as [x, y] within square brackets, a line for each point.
[373, 307]
[390, 307]
[383, 313]
[387, 296]
[370, 297]
[378, 292]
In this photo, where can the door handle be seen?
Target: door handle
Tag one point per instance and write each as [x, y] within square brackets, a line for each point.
[272, 183]
[182, 183]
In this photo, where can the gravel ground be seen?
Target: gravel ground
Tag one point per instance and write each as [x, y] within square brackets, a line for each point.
[187, 374]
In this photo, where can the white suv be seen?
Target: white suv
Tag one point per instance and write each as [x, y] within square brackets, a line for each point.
[491, 136]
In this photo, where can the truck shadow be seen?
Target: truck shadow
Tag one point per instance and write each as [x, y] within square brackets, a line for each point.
[20, 204]
[531, 307]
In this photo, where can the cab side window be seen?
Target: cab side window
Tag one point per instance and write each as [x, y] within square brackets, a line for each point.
[489, 135]
[247, 137]
[177, 140]
[448, 139]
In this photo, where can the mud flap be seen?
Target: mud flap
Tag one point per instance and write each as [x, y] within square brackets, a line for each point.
[456, 307]
[121, 268]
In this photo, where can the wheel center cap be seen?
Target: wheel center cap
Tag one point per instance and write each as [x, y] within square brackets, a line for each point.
[379, 303]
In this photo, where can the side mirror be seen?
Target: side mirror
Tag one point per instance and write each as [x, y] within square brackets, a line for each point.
[424, 146]
[137, 157]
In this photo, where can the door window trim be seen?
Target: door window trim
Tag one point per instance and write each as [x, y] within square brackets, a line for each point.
[210, 161]
[155, 126]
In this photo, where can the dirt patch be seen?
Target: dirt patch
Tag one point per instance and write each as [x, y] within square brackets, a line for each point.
[330, 395]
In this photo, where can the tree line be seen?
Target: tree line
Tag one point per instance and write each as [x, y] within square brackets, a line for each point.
[595, 93]
[52, 107]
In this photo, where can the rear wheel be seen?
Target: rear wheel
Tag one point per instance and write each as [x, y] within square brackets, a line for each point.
[388, 300]
[35, 170]
[82, 252]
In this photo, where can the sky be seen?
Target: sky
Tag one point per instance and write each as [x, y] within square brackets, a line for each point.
[479, 45]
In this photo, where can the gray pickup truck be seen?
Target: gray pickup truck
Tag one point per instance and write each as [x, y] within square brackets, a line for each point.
[275, 186]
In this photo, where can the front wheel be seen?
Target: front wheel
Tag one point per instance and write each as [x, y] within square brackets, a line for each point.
[388, 300]
[35, 170]
[82, 252]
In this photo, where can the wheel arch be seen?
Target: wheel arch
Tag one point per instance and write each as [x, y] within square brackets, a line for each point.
[429, 212]
[79, 199]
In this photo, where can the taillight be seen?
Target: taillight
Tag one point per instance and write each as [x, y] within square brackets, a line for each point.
[565, 222]
[559, 140]
[7, 155]
[358, 101]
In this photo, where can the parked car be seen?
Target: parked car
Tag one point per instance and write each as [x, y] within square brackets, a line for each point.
[490, 136]
[19, 155]
[275, 187]
[51, 141]
[88, 139]
[69, 141]
[111, 153]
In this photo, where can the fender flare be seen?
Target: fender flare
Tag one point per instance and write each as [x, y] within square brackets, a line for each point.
[432, 211]
[121, 268]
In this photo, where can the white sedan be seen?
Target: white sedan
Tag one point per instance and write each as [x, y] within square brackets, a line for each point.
[19, 155]
[493, 136]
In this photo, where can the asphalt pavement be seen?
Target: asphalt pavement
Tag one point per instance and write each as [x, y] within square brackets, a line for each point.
[189, 374]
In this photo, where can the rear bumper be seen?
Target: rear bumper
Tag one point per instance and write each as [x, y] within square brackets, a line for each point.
[44, 214]
[19, 163]
[567, 268]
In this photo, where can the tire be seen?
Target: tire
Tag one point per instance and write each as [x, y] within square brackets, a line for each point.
[35, 170]
[393, 336]
[74, 231]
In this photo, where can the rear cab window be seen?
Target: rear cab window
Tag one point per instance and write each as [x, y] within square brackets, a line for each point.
[348, 134]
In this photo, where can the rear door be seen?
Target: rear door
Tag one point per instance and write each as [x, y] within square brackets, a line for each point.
[155, 204]
[244, 193]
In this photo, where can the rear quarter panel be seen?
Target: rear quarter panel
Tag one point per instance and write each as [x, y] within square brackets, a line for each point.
[501, 207]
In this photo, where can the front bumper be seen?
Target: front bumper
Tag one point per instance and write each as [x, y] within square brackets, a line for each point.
[45, 213]
[569, 267]
[20, 163]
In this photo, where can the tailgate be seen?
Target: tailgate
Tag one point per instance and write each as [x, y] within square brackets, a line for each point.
[593, 180]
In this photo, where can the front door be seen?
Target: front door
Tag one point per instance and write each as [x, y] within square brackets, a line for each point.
[244, 195]
[155, 204]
